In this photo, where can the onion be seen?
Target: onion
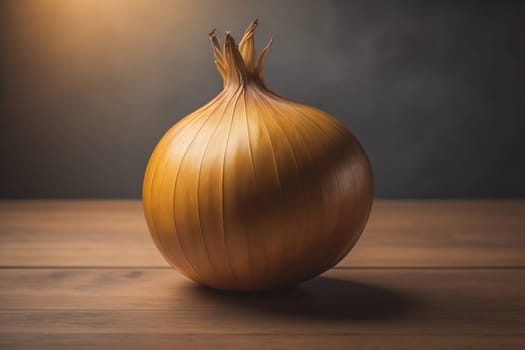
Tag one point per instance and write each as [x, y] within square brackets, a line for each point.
[252, 191]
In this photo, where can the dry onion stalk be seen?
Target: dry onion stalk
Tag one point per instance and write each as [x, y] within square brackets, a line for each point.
[253, 191]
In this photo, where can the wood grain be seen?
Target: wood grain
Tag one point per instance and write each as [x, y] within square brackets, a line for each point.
[427, 274]
[79, 341]
[399, 233]
[341, 302]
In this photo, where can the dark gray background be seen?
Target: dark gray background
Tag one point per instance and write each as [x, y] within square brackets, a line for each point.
[433, 89]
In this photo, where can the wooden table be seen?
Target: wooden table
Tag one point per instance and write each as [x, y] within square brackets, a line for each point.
[425, 275]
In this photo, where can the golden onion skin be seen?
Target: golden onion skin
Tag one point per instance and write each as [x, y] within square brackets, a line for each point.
[254, 192]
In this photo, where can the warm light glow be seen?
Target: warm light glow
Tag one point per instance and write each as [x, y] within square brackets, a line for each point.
[75, 38]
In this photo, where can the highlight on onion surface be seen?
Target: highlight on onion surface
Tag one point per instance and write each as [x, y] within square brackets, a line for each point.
[252, 191]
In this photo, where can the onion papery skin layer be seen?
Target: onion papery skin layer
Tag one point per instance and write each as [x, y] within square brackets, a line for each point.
[252, 191]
